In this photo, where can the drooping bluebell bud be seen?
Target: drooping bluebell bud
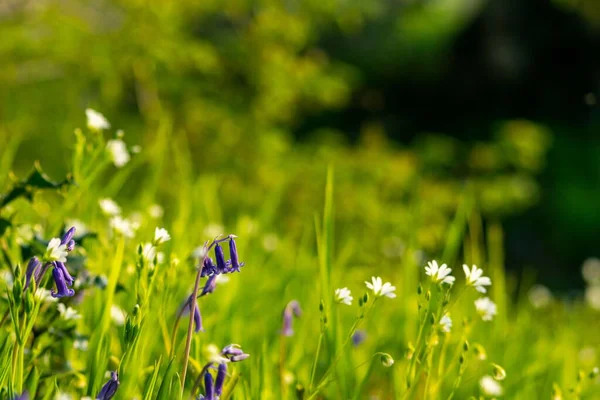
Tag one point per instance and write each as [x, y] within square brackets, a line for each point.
[208, 267]
[68, 236]
[61, 286]
[292, 308]
[221, 373]
[197, 316]
[110, 388]
[235, 263]
[68, 278]
[70, 245]
[34, 268]
[210, 285]
[23, 396]
[220, 257]
[234, 353]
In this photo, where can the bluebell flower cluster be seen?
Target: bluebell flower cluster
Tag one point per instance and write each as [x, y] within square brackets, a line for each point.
[62, 278]
[209, 268]
[213, 388]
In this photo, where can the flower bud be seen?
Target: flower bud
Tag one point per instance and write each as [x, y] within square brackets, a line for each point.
[498, 372]
[419, 289]
[387, 360]
[466, 345]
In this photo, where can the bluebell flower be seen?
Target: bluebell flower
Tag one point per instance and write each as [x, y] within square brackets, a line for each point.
[70, 245]
[208, 267]
[221, 373]
[292, 308]
[235, 264]
[61, 285]
[68, 278]
[110, 388]
[23, 396]
[221, 265]
[358, 337]
[197, 316]
[211, 284]
[68, 237]
[234, 353]
[209, 389]
[34, 269]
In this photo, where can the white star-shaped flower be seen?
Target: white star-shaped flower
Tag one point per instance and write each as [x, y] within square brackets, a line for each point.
[446, 323]
[381, 289]
[122, 226]
[95, 120]
[439, 274]
[161, 235]
[490, 387]
[343, 296]
[486, 308]
[149, 252]
[56, 251]
[475, 279]
[117, 150]
[67, 312]
[109, 207]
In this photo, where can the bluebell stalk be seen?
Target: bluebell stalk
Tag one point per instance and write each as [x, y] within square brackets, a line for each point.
[292, 308]
[110, 388]
[61, 285]
[221, 373]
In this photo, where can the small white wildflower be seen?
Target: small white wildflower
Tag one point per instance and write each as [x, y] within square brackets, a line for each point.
[486, 308]
[117, 149]
[56, 251]
[122, 226]
[44, 295]
[117, 315]
[446, 323]
[222, 279]
[63, 396]
[539, 296]
[592, 297]
[387, 360]
[148, 252]
[490, 387]
[591, 270]
[109, 207]
[439, 274]
[343, 296]
[270, 242]
[156, 211]
[67, 312]
[95, 120]
[475, 279]
[381, 289]
[80, 344]
[161, 236]
[212, 229]
[213, 354]
[7, 277]
[137, 149]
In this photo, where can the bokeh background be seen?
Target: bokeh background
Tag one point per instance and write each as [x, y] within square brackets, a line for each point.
[409, 100]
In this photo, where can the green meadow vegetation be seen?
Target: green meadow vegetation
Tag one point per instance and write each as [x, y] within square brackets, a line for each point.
[180, 218]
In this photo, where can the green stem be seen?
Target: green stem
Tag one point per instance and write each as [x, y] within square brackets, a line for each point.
[314, 368]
